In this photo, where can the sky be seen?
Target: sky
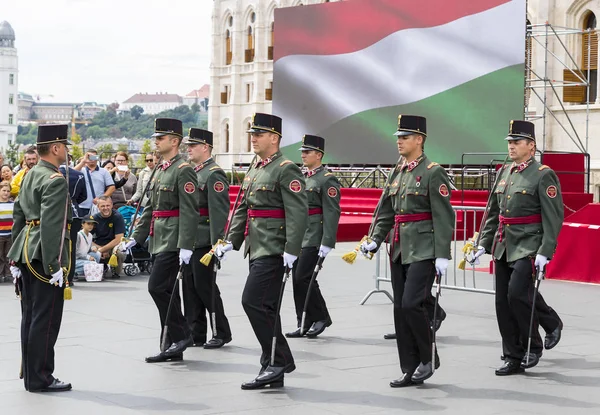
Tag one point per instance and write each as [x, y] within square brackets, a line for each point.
[108, 50]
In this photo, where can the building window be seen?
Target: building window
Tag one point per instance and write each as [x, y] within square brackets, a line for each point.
[225, 95]
[11, 99]
[589, 63]
[10, 119]
[269, 92]
[249, 53]
[226, 138]
[228, 53]
[272, 42]
[249, 91]
[11, 79]
[249, 145]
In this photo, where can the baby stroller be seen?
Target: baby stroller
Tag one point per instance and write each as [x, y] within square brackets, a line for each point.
[138, 258]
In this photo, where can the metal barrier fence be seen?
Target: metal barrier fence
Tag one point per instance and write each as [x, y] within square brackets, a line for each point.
[454, 279]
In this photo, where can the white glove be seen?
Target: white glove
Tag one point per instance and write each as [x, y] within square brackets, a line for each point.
[324, 250]
[541, 261]
[441, 265]
[184, 256]
[222, 249]
[366, 247]
[16, 273]
[126, 246]
[57, 278]
[475, 255]
[289, 259]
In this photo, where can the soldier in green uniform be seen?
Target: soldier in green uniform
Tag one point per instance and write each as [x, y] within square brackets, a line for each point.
[417, 206]
[272, 218]
[40, 211]
[521, 230]
[214, 209]
[323, 216]
[171, 212]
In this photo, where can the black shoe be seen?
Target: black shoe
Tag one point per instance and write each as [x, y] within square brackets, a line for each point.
[424, 371]
[510, 367]
[216, 343]
[294, 334]
[76, 278]
[390, 336]
[115, 276]
[534, 359]
[162, 357]
[272, 376]
[55, 386]
[318, 327]
[405, 380]
[553, 338]
[179, 347]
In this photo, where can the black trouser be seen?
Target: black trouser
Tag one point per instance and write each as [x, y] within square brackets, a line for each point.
[260, 299]
[197, 298]
[75, 227]
[412, 286]
[301, 275]
[160, 287]
[549, 319]
[5, 244]
[42, 309]
[514, 295]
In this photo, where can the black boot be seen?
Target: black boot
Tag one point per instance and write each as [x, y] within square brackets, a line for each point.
[272, 376]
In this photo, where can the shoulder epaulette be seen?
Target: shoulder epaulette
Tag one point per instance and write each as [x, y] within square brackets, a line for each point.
[215, 167]
[543, 166]
[432, 164]
[56, 175]
[284, 162]
[183, 165]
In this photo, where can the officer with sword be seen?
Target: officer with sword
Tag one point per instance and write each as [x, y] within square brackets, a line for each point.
[521, 230]
[417, 207]
[272, 218]
[323, 190]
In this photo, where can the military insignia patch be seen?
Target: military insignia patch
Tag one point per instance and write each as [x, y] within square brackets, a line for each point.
[551, 191]
[219, 187]
[295, 186]
[110, 225]
[189, 187]
[444, 190]
[332, 192]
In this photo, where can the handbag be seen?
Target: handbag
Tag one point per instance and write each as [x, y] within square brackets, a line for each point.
[93, 271]
[94, 209]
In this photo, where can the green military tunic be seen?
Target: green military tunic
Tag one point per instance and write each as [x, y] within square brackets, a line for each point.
[272, 184]
[38, 215]
[173, 188]
[522, 191]
[323, 190]
[214, 197]
[420, 187]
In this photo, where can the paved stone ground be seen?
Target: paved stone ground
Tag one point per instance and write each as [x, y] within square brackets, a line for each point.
[110, 326]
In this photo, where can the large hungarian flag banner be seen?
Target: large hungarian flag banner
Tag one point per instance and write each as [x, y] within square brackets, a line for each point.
[346, 70]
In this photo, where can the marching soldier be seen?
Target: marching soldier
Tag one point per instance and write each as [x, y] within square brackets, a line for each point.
[171, 212]
[417, 206]
[521, 230]
[214, 209]
[323, 216]
[272, 218]
[42, 208]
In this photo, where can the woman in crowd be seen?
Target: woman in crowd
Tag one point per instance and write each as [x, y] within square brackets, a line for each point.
[125, 192]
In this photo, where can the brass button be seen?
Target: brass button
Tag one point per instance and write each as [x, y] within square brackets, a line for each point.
[252, 193]
[508, 197]
[402, 196]
[507, 210]
[264, 188]
[281, 227]
[416, 193]
[524, 191]
[508, 224]
[254, 179]
[512, 182]
[404, 224]
[401, 210]
[253, 219]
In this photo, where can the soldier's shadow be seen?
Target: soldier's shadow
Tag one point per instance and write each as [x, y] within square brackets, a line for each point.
[364, 398]
[490, 395]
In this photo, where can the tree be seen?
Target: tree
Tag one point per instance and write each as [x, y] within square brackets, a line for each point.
[195, 108]
[12, 154]
[122, 147]
[105, 151]
[144, 151]
[76, 150]
[112, 108]
[136, 112]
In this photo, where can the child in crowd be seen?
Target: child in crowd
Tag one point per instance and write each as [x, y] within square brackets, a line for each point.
[6, 223]
[85, 250]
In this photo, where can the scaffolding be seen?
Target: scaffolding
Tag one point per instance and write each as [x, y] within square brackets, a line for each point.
[539, 84]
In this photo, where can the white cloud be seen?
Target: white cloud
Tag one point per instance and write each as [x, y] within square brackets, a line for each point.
[107, 50]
